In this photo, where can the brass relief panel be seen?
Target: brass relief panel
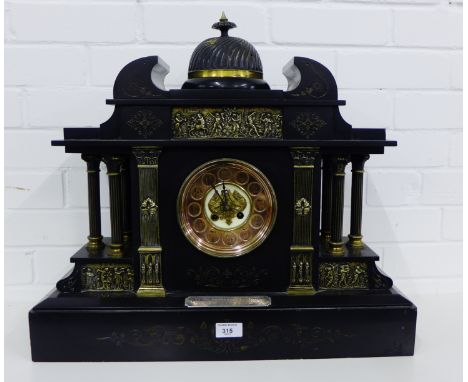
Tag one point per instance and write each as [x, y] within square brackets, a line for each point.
[107, 277]
[227, 122]
[343, 275]
[301, 270]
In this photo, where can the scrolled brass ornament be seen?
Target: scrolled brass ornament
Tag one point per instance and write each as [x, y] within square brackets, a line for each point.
[302, 207]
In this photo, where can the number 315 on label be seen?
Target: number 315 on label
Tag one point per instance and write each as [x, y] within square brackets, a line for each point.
[228, 330]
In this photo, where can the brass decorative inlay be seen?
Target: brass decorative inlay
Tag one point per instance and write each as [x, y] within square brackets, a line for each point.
[307, 124]
[301, 268]
[227, 301]
[107, 277]
[343, 275]
[226, 208]
[150, 274]
[148, 209]
[227, 122]
[144, 123]
[225, 73]
[302, 207]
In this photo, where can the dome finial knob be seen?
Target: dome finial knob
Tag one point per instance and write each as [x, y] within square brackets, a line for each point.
[224, 25]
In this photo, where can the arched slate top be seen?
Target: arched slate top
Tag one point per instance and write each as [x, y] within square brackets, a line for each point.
[142, 79]
[310, 79]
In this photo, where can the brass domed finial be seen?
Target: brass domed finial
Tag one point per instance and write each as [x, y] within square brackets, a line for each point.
[224, 25]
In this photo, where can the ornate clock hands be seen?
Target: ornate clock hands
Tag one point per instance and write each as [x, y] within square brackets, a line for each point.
[216, 191]
[224, 192]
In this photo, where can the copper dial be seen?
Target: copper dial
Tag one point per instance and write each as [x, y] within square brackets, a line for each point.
[226, 208]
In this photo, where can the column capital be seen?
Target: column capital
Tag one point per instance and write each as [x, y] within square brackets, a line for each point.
[358, 161]
[92, 161]
[339, 164]
[147, 156]
[304, 156]
[114, 164]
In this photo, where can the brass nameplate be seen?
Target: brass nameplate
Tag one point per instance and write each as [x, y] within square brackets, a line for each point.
[227, 301]
[227, 122]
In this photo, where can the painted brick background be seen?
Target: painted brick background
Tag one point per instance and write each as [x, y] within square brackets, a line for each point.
[397, 63]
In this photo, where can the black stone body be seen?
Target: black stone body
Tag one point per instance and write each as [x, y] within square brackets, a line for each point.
[118, 327]
[142, 117]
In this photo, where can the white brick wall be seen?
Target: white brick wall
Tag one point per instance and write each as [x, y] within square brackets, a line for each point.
[397, 63]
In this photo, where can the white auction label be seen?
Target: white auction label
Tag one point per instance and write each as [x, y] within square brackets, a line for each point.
[228, 329]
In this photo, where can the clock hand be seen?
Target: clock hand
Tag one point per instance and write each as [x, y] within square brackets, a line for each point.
[219, 195]
[225, 195]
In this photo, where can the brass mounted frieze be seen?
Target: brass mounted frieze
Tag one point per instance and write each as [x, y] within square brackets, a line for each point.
[107, 278]
[343, 275]
[150, 273]
[227, 122]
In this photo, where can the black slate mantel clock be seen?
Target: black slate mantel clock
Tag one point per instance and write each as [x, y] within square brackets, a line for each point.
[226, 208]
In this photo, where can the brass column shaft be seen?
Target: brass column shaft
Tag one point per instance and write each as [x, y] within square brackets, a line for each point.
[355, 236]
[115, 195]
[94, 202]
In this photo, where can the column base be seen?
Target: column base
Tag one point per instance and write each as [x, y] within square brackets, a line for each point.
[126, 236]
[95, 243]
[336, 248]
[301, 291]
[148, 291]
[115, 250]
[355, 241]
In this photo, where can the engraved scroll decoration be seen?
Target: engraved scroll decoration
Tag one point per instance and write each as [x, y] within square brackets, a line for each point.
[308, 124]
[228, 122]
[144, 123]
[256, 336]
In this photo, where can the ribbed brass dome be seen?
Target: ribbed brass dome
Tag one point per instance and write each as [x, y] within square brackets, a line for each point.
[225, 57]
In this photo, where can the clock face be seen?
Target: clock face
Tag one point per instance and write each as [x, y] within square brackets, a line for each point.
[226, 208]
